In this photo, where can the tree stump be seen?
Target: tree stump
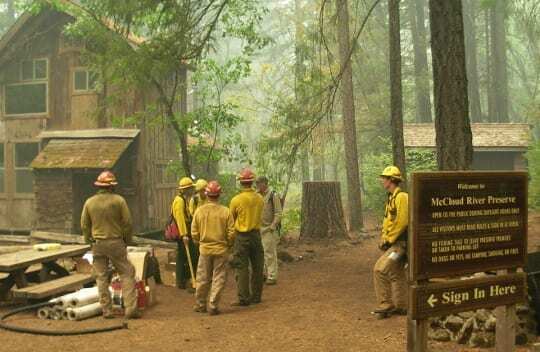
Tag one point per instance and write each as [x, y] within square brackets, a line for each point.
[322, 211]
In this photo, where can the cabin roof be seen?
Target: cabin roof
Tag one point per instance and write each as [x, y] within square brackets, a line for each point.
[83, 149]
[486, 136]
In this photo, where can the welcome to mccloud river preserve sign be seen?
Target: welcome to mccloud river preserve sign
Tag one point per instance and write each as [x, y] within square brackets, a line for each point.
[464, 223]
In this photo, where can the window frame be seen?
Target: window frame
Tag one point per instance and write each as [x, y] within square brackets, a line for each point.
[27, 114]
[27, 168]
[32, 81]
[88, 88]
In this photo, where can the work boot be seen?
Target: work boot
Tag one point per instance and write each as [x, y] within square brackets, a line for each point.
[381, 316]
[134, 314]
[255, 300]
[199, 309]
[384, 309]
[400, 311]
[271, 282]
[214, 311]
[240, 304]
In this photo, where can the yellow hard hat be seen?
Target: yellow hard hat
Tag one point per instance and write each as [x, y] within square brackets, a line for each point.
[185, 182]
[392, 172]
[200, 184]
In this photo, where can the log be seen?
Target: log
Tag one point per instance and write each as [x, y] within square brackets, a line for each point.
[322, 211]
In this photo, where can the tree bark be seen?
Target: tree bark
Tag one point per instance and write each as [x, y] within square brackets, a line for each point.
[322, 211]
[452, 125]
[349, 119]
[491, 115]
[421, 71]
[471, 54]
[299, 72]
[396, 97]
[499, 76]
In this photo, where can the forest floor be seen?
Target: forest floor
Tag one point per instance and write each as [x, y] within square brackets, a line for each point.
[321, 303]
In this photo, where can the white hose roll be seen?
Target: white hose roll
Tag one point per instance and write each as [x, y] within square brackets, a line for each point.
[84, 298]
[43, 313]
[84, 312]
[66, 300]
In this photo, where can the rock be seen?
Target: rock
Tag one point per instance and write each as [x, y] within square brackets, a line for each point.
[482, 339]
[490, 324]
[440, 335]
[522, 309]
[453, 323]
[466, 315]
[435, 323]
[482, 315]
[284, 256]
[466, 330]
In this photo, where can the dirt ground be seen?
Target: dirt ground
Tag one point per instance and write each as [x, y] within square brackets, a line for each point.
[322, 303]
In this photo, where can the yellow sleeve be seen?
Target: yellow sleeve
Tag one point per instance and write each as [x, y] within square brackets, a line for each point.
[195, 231]
[231, 232]
[192, 206]
[178, 212]
[86, 225]
[233, 207]
[127, 224]
[402, 218]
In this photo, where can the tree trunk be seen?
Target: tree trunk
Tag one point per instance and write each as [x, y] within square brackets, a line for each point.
[349, 119]
[491, 114]
[299, 72]
[322, 211]
[471, 52]
[396, 98]
[499, 77]
[421, 72]
[452, 125]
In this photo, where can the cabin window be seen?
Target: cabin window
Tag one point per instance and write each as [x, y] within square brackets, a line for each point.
[34, 70]
[84, 80]
[30, 95]
[26, 98]
[2, 168]
[25, 153]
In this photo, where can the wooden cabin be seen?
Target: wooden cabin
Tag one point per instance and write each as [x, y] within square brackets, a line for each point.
[497, 146]
[54, 138]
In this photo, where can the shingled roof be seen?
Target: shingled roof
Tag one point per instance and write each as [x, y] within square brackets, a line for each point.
[487, 136]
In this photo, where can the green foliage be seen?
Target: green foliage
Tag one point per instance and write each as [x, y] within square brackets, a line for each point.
[291, 220]
[533, 160]
[373, 164]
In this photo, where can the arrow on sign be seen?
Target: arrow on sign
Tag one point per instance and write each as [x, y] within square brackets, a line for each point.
[432, 300]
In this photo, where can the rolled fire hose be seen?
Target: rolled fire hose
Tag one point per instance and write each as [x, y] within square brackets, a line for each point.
[4, 325]
[84, 297]
[84, 312]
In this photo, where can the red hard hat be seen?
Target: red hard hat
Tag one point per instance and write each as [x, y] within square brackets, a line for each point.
[246, 176]
[213, 189]
[106, 179]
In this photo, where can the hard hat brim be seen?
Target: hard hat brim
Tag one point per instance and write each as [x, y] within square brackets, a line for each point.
[103, 184]
[185, 187]
[390, 176]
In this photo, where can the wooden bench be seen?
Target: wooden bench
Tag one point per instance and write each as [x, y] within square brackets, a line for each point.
[51, 288]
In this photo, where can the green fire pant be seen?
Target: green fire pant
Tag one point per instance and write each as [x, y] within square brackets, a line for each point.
[183, 274]
[248, 250]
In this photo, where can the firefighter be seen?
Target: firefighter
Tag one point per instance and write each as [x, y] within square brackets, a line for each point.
[246, 209]
[271, 220]
[213, 229]
[199, 198]
[389, 270]
[182, 216]
[106, 224]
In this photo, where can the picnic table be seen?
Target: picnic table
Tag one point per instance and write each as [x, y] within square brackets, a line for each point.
[16, 264]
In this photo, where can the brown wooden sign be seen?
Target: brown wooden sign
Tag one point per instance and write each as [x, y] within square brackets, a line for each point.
[467, 222]
[439, 299]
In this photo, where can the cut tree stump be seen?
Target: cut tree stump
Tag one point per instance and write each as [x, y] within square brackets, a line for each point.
[322, 211]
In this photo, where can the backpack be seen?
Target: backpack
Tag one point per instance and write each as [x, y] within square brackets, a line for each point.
[171, 232]
[271, 199]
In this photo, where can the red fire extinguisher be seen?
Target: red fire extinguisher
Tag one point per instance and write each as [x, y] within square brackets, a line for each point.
[141, 294]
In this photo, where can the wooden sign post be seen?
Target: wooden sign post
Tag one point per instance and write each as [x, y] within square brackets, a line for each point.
[464, 223]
